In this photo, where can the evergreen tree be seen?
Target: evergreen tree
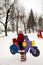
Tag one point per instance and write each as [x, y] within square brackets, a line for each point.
[31, 21]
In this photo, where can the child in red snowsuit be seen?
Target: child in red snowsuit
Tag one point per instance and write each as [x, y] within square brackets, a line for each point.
[20, 39]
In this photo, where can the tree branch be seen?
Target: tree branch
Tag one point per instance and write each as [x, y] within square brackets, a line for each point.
[2, 23]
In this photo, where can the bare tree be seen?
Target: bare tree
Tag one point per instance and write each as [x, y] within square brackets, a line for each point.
[40, 23]
[11, 15]
[6, 21]
[17, 17]
[36, 20]
[8, 8]
[22, 17]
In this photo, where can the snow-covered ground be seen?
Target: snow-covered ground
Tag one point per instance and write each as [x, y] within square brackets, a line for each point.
[6, 58]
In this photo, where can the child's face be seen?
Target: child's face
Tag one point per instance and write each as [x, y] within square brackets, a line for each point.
[20, 32]
[16, 43]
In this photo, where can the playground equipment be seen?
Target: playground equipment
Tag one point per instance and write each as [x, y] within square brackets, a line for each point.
[27, 45]
[39, 34]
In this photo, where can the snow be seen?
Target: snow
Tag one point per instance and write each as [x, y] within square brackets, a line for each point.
[6, 58]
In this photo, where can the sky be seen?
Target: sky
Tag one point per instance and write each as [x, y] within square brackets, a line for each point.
[36, 5]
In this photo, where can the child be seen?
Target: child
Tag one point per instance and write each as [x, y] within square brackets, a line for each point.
[15, 41]
[20, 39]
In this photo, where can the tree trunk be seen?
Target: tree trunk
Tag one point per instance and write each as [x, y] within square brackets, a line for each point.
[17, 26]
[24, 26]
[33, 29]
[5, 30]
[17, 29]
[36, 28]
[25, 29]
[29, 30]
[6, 21]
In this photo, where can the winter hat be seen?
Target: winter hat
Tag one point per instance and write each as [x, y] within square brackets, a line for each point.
[14, 40]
